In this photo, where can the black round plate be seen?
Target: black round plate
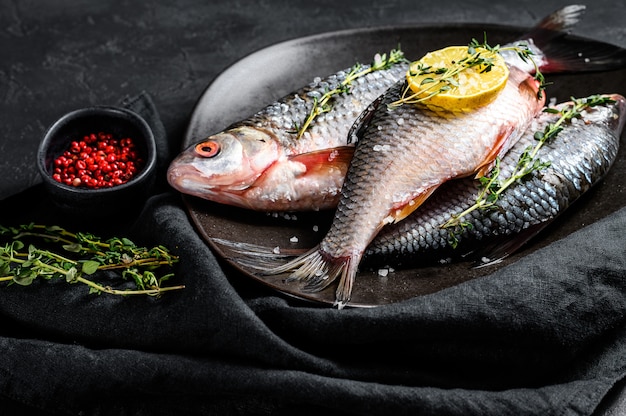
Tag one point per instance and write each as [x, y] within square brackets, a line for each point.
[264, 76]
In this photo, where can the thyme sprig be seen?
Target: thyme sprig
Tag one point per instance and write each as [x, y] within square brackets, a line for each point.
[323, 104]
[443, 79]
[85, 254]
[522, 50]
[528, 162]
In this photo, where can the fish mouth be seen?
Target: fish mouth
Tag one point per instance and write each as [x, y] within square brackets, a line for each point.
[188, 180]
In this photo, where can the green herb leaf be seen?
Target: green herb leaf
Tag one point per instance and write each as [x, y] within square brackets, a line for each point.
[74, 247]
[551, 110]
[89, 266]
[72, 275]
[94, 291]
[127, 242]
[25, 279]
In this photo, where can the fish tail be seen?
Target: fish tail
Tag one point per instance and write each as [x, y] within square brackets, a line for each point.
[562, 20]
[319, 271]
[311, 268]
[561, 53]
[344, 288]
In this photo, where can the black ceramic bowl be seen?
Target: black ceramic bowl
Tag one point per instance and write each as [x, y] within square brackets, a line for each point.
[118, 122]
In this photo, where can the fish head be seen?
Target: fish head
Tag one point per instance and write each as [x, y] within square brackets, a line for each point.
[223, 165]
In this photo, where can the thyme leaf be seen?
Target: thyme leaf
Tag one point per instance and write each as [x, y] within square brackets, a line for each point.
[86, 254]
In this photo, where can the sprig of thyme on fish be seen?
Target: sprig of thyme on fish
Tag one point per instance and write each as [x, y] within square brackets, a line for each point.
[439, 80]
[323, 104]
[85, 255]
[528, 162]
[522, 50]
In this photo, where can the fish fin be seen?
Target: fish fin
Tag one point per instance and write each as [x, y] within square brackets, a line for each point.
[502, 248]
[362, 122]
[499, 147]
[564, 53]
[557, 23]
[325, 159]
[401, 213]
[319, 271]
[569, 54]
[311, 267]
[344, 288]
[255, 256]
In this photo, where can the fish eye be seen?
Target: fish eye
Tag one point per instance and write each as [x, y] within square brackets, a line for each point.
[209, 148]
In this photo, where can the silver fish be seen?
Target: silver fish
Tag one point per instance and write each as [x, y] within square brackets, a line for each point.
[262, 164]
[579, 157]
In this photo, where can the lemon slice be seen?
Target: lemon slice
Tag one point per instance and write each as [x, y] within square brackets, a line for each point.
[446, 78]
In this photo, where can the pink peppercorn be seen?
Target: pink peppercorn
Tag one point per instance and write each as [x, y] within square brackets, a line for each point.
[97, 161]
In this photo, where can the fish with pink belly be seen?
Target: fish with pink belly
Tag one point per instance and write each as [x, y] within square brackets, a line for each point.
[265, 163]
